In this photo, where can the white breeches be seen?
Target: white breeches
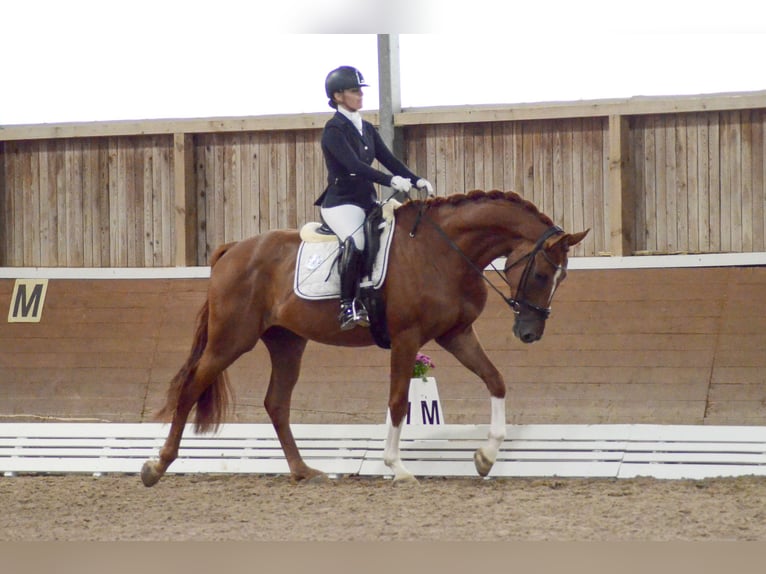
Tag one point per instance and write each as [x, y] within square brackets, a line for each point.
[345, 221]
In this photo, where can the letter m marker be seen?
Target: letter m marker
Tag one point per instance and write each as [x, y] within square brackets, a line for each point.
[27, 300]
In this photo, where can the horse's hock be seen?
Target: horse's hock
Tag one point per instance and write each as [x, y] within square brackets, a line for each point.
[679, 345]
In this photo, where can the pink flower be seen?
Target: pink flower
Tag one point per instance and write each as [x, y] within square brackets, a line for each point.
[423, 364]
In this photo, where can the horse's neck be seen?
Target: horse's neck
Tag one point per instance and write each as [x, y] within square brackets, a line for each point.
[491, 230]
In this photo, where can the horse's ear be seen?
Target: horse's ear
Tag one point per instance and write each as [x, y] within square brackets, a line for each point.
[575, 238]
[567, 240]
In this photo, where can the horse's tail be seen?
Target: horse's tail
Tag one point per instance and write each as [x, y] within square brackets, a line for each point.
[212, 405]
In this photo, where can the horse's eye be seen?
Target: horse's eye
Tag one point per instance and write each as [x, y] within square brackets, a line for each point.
[541, 277]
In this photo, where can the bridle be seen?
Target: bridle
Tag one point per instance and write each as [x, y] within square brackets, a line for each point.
[519, 302]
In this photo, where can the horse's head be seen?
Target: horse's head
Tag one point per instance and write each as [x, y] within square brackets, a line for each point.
[537, 274]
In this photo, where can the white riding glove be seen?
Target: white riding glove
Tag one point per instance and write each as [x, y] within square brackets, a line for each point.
[400, 184]
[425, 184]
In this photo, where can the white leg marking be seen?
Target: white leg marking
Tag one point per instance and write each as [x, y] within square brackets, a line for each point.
[485, 456]
[496, 428]
[391, 455]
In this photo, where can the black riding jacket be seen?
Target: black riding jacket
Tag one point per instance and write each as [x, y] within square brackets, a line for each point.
[349, 156]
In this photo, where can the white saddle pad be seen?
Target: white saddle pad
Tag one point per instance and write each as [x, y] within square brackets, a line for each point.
[316, 270]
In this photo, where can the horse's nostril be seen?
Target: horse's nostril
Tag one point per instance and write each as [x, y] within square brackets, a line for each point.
[528, 337]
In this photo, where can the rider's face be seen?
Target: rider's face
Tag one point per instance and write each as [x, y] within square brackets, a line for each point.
[350, 99]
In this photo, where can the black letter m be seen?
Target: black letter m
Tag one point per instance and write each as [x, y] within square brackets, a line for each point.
[27, 306]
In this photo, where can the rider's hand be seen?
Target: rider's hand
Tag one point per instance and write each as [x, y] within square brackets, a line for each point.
[399, 183]
[426, 185]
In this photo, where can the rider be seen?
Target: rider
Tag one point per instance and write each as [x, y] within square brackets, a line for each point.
[350, 144]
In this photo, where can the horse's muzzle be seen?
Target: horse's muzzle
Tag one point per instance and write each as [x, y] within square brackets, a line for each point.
[528, 330]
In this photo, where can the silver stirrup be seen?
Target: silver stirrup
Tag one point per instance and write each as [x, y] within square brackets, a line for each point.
[353, 315]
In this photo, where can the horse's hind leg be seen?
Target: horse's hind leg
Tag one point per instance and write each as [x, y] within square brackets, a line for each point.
[286, 351]
[467, 349]
[209, 371]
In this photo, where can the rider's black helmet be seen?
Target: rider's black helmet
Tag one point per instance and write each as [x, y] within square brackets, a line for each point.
[343, 78]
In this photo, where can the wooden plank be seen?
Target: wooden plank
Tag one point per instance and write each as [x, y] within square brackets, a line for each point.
[254, 212]
[746, 168]
[288, 185]
[456, 158]
[681, 184]
[149, 252]
[734, 156]
[557, 183]
[528, 161]
[695, 217]
[469, 161]
[200, 201]
[119, 215]
[703, 181]
[180, 224]
[30, 199]
[264, 188]
[578, 190]
[716, 187]
[272, 188]
[590, 179]
[636, 155]
[92, 199]
[484, 155]
[619, 198]
[729, 191]
[216, 200]
[757, 179]
[664, 233]
[303, 167]
[649, 239]
[518, 157]
[247, 191]
[495, 152]
[231, 188]
[672, 192]
[546, 174]
[208, 242]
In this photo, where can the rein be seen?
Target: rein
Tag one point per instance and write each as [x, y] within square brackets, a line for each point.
[515, 303]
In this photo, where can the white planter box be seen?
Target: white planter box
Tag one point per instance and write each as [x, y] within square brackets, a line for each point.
[424, 407]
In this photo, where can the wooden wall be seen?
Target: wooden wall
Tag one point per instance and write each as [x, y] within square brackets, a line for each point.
[674, 346]
[88, 202]
[699, 181]
[660, 175]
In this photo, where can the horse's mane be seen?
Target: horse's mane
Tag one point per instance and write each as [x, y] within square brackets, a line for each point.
[477, 195]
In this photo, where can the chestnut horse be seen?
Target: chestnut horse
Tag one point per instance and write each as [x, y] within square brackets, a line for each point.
[434, 290]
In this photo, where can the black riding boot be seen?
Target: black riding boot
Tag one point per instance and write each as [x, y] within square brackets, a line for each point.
[352, 311]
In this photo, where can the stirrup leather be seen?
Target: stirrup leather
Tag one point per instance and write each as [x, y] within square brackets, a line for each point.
[353, 314]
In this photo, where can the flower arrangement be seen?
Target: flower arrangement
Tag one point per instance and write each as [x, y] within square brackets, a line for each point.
[423, 364]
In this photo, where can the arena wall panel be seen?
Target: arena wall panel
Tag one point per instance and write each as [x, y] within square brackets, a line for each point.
[666, 346]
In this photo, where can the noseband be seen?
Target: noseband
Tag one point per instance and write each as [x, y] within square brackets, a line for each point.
[519, 302]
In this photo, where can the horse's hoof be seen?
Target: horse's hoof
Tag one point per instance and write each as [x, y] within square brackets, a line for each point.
[319, 478]
[482, 463]
[149, 474]
[405, 480]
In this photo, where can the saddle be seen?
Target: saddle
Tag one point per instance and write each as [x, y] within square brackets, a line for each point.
[317, 273]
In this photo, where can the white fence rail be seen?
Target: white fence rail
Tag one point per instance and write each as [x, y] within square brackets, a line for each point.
[609, 451]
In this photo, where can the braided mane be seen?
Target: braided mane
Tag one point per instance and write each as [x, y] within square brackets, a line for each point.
[479, 195]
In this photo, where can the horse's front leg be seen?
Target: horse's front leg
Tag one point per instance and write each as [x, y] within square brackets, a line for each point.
[402, 360]
[467, 349]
